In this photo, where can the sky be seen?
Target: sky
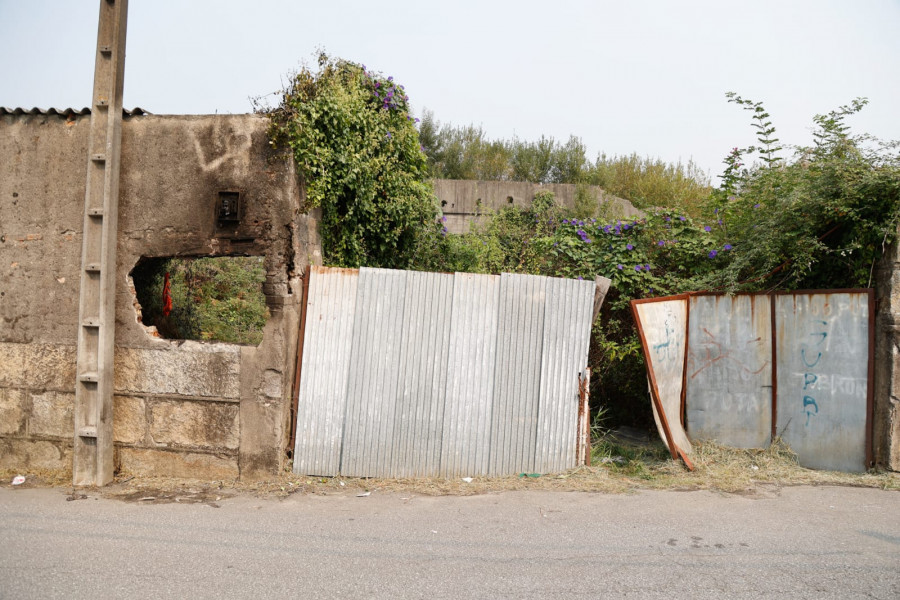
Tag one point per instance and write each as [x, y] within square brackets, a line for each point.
[637, 76]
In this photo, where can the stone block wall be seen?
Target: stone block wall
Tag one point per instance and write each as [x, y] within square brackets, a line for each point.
[181, 408]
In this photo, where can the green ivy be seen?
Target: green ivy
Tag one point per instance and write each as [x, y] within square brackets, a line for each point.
[357, 147]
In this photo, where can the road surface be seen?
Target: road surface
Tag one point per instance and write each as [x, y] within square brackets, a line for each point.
[798, 542]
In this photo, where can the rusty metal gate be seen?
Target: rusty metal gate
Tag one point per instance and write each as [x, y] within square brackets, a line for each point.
[796, 366]
[417, 374]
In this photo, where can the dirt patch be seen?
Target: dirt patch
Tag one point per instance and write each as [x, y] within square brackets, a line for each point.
[619, 467]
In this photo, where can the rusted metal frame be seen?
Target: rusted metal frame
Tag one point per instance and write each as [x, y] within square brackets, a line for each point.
[301, 338]
[583, 441]
[870, 387]
[772, 318]
[654, 388]
[687, 350]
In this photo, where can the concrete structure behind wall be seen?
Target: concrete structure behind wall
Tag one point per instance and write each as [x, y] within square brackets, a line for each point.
[887, 361]
[181, 408]
[464, 202]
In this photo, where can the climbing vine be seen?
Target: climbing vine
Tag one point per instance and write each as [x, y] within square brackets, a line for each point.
[355, 143]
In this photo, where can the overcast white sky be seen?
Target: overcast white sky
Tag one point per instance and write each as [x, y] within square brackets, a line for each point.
[626, 76]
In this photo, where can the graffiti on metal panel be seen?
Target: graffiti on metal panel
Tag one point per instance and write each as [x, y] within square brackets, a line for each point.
[669, 349]
[810, 377]
[713, 351]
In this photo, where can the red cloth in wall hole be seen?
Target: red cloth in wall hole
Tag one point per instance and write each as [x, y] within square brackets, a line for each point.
[167, 298]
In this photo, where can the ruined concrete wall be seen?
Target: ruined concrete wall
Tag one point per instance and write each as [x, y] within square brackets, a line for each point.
[886, 434]
[462, 201]
[190, 409]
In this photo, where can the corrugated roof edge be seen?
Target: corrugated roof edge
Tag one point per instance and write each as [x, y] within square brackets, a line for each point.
[66, 112]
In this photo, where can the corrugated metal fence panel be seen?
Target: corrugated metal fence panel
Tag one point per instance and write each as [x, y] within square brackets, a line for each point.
[729, 374]
[822, 355]
[372, 387]
[567, 325]
[325, 367]
[422, 388]
[518, 373]
[470, 384]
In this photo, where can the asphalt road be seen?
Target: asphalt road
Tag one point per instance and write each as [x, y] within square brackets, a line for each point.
[792, 543]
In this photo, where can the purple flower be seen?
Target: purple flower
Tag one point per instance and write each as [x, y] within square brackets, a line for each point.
[660, 243]
[638, 267]
[707, 228]
[389, 135]
[667, 219]
[720, 221]
[587, 240]
[620, 267]
[683, 218]
[646, 267]
[444, 219]
[712, 253]
[629, 247]
[726, 247]
[565, 221]
[581, 278]
[716, 211]
[756, 206]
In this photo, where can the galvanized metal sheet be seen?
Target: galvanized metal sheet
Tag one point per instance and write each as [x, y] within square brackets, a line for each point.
[663, 326]
[470, 385]
[568, 312]
[417, 374]
[419, 414]
[372, 386]
[729, 372]
[325, 367]
[822, 374]
[517, 377]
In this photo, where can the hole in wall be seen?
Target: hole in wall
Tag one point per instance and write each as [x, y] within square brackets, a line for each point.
[509, 199]
[210, 298]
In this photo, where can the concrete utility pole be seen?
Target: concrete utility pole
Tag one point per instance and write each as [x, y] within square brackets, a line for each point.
[92, 461]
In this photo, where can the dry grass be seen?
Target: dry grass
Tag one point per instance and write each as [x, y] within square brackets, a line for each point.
[618, 468]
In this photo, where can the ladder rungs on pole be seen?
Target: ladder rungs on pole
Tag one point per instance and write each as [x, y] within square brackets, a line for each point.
[89, 377]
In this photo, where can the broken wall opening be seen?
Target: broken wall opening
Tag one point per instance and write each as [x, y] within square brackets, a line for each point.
[207, 298]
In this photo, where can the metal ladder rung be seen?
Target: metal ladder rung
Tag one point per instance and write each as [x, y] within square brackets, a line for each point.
[102, 103]
[98, 157]
[87, 432]
[89, 377]
[95, 212]
[92, 322]
[92, 267]
[105, 49]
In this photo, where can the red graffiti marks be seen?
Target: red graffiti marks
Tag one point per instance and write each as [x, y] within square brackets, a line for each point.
[712, 351]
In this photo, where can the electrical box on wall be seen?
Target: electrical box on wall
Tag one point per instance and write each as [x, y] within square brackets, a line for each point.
[228, 209]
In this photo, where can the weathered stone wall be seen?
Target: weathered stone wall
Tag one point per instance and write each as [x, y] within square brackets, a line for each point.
[190, 409]
[887, 361]
[463, 201]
